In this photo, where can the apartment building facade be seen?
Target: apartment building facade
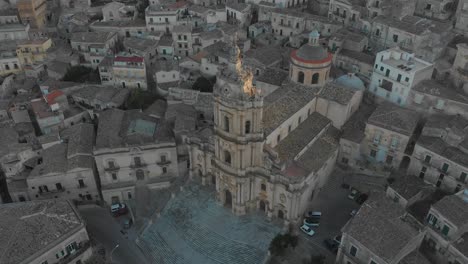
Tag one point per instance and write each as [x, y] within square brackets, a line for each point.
[395, 73]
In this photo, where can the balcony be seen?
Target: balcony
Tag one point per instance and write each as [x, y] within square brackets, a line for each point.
[82, 247]
[82, 186]
[165, 162]
[51, 192]
[138, 165]
[112, 168]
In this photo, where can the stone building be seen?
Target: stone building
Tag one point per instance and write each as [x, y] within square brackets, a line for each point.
[129, 71]
[270, 153]
[14, 32]
[93, 46]
[32, 12]
[346, 12]
[52, 232]
[66, 170]
[33, 51]
[381, 232]
[133, 149]
[436, 97]
[388, 132]
[447, 229]
[396, 72]
[9, 63]
[461, 22]
[146, 48]
[310, 65]
[439, 10]
[116, 11]
[440, 155]
[126, 28]
[425, 38]
[238, 12]
[16, 152]
[163, 17]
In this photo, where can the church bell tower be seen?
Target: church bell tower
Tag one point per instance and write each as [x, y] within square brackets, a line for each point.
[238, 110]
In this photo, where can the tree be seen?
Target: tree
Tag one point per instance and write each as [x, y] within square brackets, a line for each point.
[281, 242]
[278, 245]
[140, 99]
[203, 84]
[81, 74]
[141, 7]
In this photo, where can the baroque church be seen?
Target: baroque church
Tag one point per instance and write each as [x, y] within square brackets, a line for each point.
[273, 151]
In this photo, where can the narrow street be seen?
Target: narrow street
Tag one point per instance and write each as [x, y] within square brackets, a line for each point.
[107, 230]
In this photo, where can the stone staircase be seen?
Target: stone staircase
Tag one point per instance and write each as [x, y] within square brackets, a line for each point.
[157, 249]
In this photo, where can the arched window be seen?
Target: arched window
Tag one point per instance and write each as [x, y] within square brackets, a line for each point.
[226, 123]
[247, 127]
[300, 77]
[315, 78]
[227, 157]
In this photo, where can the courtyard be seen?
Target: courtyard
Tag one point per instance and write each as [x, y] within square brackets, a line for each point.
[195, 228]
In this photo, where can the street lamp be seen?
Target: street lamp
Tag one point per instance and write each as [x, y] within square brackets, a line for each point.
[112, 252]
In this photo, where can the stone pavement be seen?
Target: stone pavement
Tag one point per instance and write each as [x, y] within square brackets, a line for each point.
[194, 228]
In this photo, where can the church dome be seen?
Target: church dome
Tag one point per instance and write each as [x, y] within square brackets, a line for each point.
[351, 81]
[311, 53]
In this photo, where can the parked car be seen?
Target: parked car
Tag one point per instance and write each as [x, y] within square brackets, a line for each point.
[308, 230]
[311, 221]
[119, 209]
[353, 212]
[362, 198]
[127, 223]
[312, 214]
[331, 245]
[354, 193]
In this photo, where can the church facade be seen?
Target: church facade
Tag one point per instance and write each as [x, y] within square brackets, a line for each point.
[274, 153]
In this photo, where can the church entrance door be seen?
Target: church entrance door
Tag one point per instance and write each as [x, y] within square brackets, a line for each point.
[228, 199]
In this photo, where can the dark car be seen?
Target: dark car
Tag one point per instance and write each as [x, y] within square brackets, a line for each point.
[331, 245]
[362, 198]
[127, 223]
[119, 209]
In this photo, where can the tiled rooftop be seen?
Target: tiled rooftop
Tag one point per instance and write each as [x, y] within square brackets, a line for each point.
[382, 226]
[29, 228]
[394, 118]
[408, 186]
[273, 76]
[337, 93]
[454, 208]
[438, 146]
[75, 152]
[285, 101]
[297, 140]
[92, 37]
[434, 88]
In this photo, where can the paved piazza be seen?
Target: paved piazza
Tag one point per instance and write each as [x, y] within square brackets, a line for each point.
[194, 228]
